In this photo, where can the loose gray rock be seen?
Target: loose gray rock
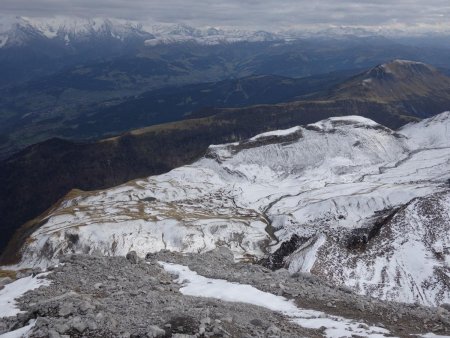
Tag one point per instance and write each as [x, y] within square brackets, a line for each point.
[155, 331]
[65, 309]
[53, 334]
[346, 289]
[225, 253]
[36, 271]
[360, 306]
[273, 332]
[445, 306]
[85, 306]
[61, 328]
[98, 285]
[23, 274]
[133, 257]
[77, 324]
[5, 281]
[92, 296]
[256, 322]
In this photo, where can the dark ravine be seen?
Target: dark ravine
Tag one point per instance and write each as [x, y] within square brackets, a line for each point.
[360, 237]
[275, 260]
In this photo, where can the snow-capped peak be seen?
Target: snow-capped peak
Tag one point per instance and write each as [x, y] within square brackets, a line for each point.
[20, 30]
[73, 28]
[165, 34]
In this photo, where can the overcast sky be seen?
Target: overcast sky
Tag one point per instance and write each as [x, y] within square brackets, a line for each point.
[247, 13]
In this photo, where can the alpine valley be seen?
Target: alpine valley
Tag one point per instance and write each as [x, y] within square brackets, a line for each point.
[173, 181]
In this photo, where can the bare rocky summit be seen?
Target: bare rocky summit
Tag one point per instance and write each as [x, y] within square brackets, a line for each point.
[96, 296]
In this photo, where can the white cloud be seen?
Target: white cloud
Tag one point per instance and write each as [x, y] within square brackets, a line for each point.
[259, 14]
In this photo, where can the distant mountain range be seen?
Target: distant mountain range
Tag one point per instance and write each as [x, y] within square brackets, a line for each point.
[68, 32]
[35, 178]
[32, 48]
[19, 31]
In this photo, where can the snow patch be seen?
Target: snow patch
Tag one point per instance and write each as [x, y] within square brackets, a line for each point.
[23, 332]
[282, 132]
[334, 122]
[336, 327]
[16, 289]
[304, 258]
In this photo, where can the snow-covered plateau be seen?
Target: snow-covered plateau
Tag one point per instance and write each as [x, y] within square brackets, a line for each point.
[370, 207]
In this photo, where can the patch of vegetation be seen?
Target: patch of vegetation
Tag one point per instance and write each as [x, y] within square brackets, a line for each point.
[8, 273]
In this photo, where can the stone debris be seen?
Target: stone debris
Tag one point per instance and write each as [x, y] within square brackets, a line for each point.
[133, 257]
[94, 296]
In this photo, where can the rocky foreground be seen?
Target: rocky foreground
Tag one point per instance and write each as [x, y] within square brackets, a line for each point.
[93, 296]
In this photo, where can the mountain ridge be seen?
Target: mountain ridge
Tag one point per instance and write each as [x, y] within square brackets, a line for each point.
[157, 149]
[67, 32]
[284, 183]
[396, 80]
[161, 33]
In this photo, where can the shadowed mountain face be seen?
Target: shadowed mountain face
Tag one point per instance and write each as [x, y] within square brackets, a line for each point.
[392, 94]
[399, 81]
[37, 177]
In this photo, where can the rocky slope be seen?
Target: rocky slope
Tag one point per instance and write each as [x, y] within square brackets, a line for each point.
[345, 187]
[163, 296]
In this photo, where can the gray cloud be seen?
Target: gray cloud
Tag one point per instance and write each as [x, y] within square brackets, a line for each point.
[246, 13]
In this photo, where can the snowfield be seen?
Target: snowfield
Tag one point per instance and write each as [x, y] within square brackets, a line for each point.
[370, 204]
